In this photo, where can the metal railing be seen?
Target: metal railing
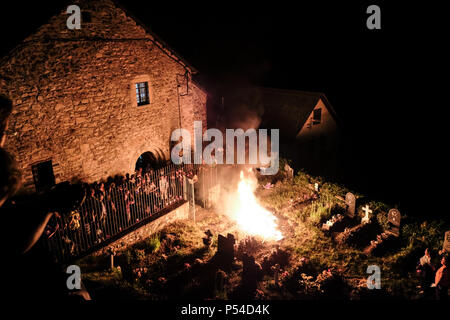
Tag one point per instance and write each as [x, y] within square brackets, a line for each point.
[112, 210]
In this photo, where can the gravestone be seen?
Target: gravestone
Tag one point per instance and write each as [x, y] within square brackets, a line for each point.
[394, 218]
[208, 239]
[289, 172]
[446, 246]
[225, 250]
[276, 273]
[249, 273]
[350, 201]
[220, 280]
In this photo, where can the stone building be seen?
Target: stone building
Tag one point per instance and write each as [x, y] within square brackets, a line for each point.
[310, 129]
[87, 103]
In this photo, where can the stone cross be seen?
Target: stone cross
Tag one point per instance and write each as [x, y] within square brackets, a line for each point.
[447, 241]
[350, 201]
[366, 218]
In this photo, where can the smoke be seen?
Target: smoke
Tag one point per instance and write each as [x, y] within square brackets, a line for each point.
[243, 108]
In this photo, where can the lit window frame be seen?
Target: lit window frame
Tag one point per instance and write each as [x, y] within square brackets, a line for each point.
[142, 93]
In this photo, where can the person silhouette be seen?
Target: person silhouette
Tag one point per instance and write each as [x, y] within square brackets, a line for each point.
[32, 272]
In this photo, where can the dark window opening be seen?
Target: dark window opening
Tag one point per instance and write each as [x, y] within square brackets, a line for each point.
[317, 116]
[149, 161]
[86, 17]
[43, 175]
[142, 96]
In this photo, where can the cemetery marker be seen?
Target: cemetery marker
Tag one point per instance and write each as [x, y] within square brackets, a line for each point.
[394, 222]
[446, 246]
[350, 201]
[289, 172]
[366, 218]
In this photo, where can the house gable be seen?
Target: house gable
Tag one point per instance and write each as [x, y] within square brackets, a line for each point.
[291, 111]
[312, 128]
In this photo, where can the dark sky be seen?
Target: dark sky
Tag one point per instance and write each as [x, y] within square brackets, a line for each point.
[385, 84]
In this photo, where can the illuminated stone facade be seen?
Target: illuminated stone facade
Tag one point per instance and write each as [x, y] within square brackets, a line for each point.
[74, 95]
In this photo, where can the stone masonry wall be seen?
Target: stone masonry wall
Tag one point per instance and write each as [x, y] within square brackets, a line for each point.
[147, 230]
[74, 97]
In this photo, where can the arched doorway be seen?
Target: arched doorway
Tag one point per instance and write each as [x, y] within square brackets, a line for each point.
[148, 161]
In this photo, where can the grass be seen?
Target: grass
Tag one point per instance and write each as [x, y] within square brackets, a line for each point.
[175, 263]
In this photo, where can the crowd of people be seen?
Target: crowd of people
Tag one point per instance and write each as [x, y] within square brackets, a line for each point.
[113, 205]
[434, 278]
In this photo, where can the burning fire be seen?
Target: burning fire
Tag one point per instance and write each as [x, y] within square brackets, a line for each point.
[251, 217]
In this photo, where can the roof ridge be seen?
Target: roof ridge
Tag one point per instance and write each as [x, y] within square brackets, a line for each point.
[156, 38]
[163, 46]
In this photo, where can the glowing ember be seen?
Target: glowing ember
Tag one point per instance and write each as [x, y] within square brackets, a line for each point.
[250, 216]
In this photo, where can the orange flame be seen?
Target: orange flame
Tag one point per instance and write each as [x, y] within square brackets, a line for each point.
[250, 216]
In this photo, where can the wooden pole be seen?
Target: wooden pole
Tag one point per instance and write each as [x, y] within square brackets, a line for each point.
[112, 261]
[193, 201]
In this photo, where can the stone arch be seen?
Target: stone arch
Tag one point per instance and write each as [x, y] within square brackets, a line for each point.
[158, 154]
[148, 160]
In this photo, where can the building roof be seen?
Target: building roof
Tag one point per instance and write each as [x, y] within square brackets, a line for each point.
[43, 18]
[289, 109]
[159, 42]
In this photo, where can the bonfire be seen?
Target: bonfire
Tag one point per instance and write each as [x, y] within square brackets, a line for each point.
[250, 216]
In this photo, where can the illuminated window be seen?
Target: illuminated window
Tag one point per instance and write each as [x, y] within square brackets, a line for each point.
[317, 116]
[43, 175]
[142, 96]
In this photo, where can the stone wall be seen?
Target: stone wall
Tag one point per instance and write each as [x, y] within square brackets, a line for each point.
[145, 231]
[72, 92]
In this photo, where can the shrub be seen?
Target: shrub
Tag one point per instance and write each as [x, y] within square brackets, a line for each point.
[331, 283]
[302, 179]
[152, 244]
[308, 286]
[426, 234]
[138, 255]
[250, 246]
[319, 212]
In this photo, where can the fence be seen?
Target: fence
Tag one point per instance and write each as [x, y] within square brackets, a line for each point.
[208, 186]
[113, 210]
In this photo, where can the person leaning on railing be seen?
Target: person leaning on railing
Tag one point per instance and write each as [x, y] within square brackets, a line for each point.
[28, 273]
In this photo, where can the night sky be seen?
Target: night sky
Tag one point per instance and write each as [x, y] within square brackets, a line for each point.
[385, 84]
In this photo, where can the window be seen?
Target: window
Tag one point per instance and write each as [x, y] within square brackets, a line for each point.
[142, 96]
[43, 175]
[317, 116]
